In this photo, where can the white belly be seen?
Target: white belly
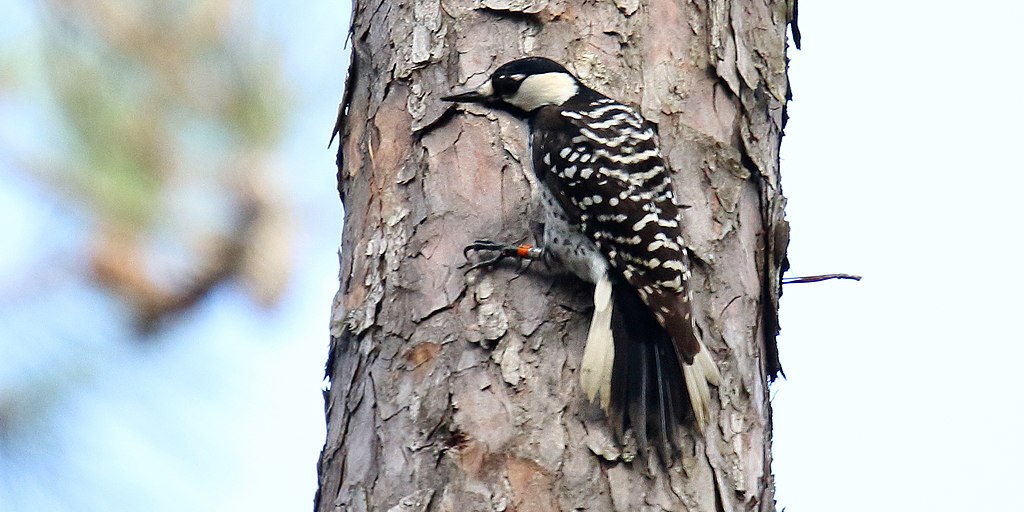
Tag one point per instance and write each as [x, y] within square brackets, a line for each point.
[566, 243]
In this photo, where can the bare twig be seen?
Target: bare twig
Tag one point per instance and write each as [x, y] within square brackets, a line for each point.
[815, 279]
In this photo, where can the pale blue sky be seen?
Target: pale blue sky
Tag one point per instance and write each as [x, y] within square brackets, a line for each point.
[222, 412]
[900, 163]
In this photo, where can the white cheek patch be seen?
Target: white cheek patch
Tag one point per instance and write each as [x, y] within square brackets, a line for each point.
[544, 89]
[486, 89]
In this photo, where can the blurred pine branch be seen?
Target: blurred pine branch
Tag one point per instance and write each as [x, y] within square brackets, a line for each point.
[170, 112]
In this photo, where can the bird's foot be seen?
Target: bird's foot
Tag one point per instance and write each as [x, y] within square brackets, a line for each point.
[501, 252]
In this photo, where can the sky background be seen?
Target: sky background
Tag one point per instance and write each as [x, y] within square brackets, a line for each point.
[900, 162]
[221, 411]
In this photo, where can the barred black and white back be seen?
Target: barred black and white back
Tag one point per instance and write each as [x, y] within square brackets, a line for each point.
[601, 159]
[612, 219]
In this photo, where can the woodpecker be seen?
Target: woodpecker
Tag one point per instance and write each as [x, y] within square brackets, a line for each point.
[610, 217]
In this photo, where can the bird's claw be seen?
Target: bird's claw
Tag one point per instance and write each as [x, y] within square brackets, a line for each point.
[482, 245]
[503, 251]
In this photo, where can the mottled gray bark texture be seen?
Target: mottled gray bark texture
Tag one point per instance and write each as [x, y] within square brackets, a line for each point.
[456, 392]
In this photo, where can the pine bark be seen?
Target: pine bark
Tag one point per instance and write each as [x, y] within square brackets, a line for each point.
[460, 392]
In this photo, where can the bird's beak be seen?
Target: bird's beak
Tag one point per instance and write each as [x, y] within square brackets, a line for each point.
[466, 97]
[479, 95]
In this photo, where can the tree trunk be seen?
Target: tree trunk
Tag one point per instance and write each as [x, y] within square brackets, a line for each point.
[460, 392]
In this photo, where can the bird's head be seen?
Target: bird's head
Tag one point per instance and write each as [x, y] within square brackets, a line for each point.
[526, 84]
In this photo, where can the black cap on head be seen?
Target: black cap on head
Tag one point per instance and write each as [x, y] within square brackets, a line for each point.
[530, 66]
[502, 90]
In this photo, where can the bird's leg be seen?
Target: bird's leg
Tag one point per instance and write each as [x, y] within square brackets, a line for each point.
[502, 251]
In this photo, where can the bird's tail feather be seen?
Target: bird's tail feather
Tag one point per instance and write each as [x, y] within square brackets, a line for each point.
[698, 375]
[599, 354]
[647, 378]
